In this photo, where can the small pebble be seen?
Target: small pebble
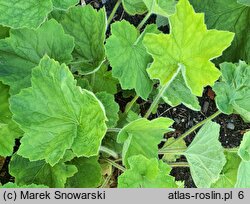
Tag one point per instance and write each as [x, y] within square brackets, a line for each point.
[230, 126]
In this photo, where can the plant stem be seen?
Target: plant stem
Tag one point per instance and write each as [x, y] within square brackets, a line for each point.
[106, 181]
[176, 151]
[114, 130]
[118, 166]
[232, 150]
[109, 152]
[161, 92]
[179, 164]
[144, 20]
[130, 104]
[192, 129]
[110, 18]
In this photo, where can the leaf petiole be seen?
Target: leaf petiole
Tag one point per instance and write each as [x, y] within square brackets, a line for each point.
[110, 18]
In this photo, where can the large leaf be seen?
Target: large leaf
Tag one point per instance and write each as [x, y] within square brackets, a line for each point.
[243, 177]
[232, 16]
[8, 129]
[228, 175]
[64, 4]
[142, 137]
[25, 13]
[205, 156]
[24, 49]
[56, 115]
[39, 172]
[189, 47]
[146, 173]
[88, 27]
[128, 57]
[233, 91]
[111, 108]
[89, 173]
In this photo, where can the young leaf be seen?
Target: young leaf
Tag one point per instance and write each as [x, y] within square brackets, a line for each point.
[232, 16]
[228, 175]
[233, 91]
[244, 150]
[142, 137]
[245, 2]
[88, 27]
[129, 58]
[39, 172]
[20, 53]
[243, 176]
[146, 173]
[193, 49]
[89, 173]
[14, 185]
[111, 108]
[25, 13]
[56, 115]
[133, 7]
[64, 4]
[205, 156]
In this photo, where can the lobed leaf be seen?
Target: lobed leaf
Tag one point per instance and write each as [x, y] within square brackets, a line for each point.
[56, 115]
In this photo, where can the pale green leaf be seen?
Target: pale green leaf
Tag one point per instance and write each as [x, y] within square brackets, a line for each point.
[232, 16]
[111, 108]
[205, 156]
[56, 115]
[146, 173]
[243, 176]
[178, 93]
[128, 57]
[14, 185]
[20, 53]
[228, 175]
[245, 2]
[160, 7]
[134, 7]
[64, 4]
[25, 13]
[244, 149]
[233, 91]
[189, 45]
[142, 137]
[88, 27]
[89, 173]
[39, 172]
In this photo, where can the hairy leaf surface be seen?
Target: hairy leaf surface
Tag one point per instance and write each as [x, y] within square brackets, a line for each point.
[205, 156]
[142, 137]
[20, 53]
[56, 115]
[190, 45]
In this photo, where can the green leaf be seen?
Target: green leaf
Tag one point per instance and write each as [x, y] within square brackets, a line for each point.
[142, 137]
[245, 2]
[205, 156]
[160, 7]
[8, 129]
[64, 4]
[179, 144]
[244, 149]
[233, 91]
[133, 7]
[243, 176]
[146, 173]
[56, 115]
[39, 172]
[4, 32]
[88, 27]
[232, 16]
[111, 108]
[25, 13]
[89, 173]
[228, 175]
[103, 81]
[178, 93]
[20, 53]
[191, 50]
[129, 58]
[14, 185]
